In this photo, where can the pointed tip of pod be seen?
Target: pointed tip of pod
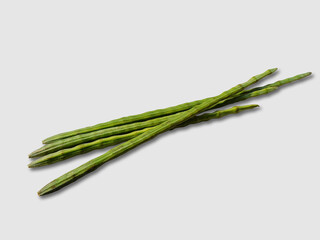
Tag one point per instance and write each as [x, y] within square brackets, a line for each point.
[36, 164]
[32, 155]
[303, 75]
[31, 165]
[249, 106]
[245, 107]
[272, 70]
[47, 140]
[41, 192]
[252, 106]
[38, 153]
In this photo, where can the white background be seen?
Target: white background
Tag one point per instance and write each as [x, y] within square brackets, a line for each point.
[69, 64]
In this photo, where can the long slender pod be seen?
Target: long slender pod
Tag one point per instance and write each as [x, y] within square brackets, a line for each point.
[280, 82]
[82, 138]
[118, 150]
[136, 118]
[105, 142]
[92, 136]
[233, 99]
[254, 92]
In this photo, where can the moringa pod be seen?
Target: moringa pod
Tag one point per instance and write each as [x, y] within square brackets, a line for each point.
[109, 141]
[121, 149]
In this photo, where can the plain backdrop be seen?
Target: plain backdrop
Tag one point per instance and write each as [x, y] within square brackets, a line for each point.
[70, 64]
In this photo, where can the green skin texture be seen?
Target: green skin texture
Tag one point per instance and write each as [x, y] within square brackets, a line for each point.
[113, 140]
[92, 136]
[105, 142]
[246, 93]
[129, 119]
[119, 150]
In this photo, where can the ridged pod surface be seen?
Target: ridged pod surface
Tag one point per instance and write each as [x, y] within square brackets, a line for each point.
[135, 118]
[118, 150]
[106, 142]
[92, 136]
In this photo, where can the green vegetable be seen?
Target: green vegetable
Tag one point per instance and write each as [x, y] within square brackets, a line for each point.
[105, 142]
[92, 136]
[239, 97]
[280, 82]
[93, 164]
[254, 92]
[136, 118]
